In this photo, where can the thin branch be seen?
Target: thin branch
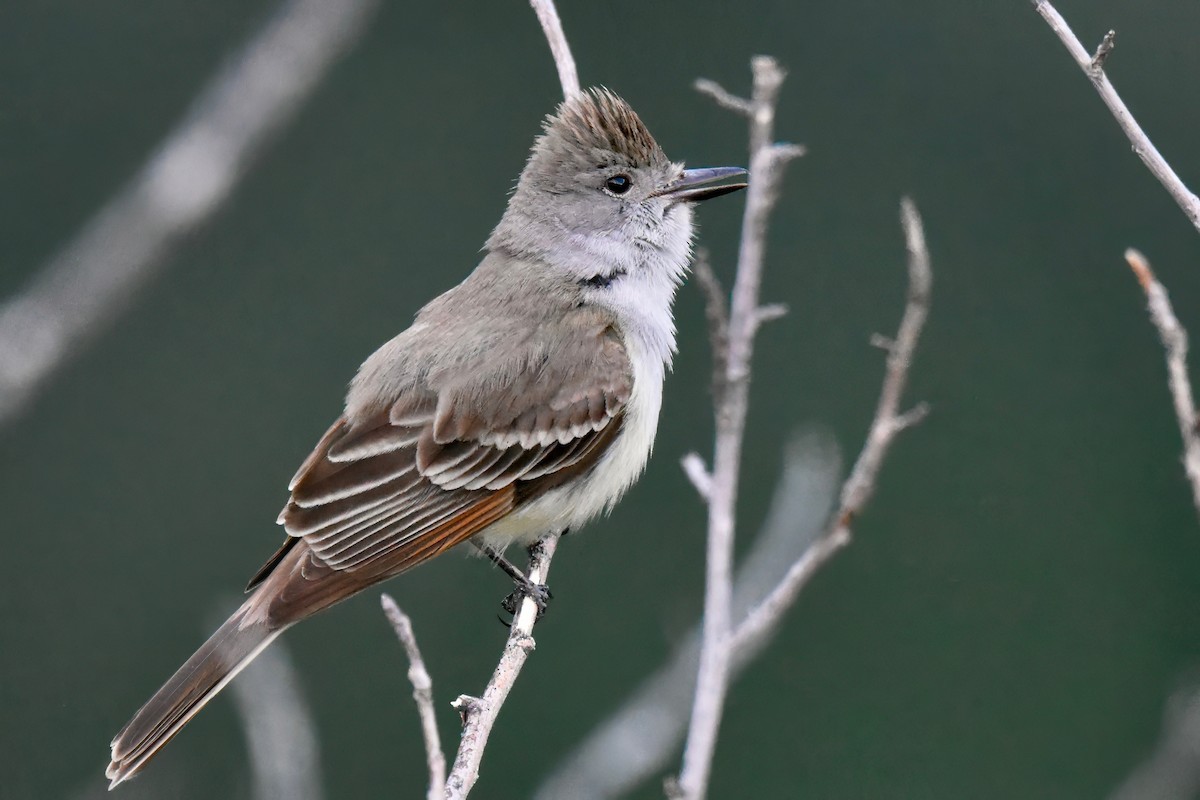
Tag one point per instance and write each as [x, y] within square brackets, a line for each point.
[641, 736]
[769, 313]
[767, 160]
[888, 422]
[479, 713]
[763, 619]
[724, 98]
[1175, 343]
[694, 467]
[1103, 50]
[422, 693]
[87, 283]
[1093, 67]
[564, 62]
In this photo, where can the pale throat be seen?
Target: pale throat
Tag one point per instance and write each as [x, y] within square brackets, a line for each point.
[637, 277]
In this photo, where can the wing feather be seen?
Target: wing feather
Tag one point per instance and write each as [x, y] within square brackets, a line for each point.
[445, 459]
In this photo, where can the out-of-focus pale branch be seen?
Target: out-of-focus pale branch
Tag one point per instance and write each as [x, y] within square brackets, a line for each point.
[285, 757]
[1093, 67]
[1172, 771]
[641, 737]
[181, 184]
[1175, 344]
[422, 685]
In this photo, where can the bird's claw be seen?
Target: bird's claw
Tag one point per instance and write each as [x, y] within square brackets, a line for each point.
[539, 593]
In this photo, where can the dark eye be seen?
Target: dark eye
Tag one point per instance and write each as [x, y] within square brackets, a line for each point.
[619, 184]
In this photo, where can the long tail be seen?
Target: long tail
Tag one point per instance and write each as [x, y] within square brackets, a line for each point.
[224, 655]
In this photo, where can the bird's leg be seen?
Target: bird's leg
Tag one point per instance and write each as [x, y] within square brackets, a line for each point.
[539, 593]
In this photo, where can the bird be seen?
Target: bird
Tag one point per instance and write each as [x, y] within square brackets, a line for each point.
[522, 402]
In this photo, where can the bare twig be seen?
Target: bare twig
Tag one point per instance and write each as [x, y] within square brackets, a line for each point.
[767, 160]
[1103, 50]
[724, 98]
[87, 283]
[888, 422]
[564, 62]
[694, 467]
[281, 737]
[638, 740]
[761, 621]
[422, 693]
[1093, 67]
[479, 713]
[770, 312]
[1175, 343]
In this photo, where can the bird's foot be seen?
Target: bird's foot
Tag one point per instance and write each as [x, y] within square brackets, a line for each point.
[539, 593]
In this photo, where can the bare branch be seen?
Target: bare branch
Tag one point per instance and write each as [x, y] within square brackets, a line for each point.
[770, 312]
[759, 624]
[479, 713]
[641, 737]
[724, 98]
[697, 472]
[564, 62]
[767, 161]
[1093, 67]
[422, 693]
[888, 421]
[281, 736]
[87, 283]
[1175, 343]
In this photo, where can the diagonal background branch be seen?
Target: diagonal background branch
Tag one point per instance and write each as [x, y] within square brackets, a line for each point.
[1173, 770]
[1175, 346]
[1093, 67]
[281, 737]
[86, 284]
[1172, 333]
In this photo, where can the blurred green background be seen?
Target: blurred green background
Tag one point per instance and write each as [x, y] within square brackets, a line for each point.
[1022, 596]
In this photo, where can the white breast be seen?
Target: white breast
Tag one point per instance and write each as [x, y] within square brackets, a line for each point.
[572, 505]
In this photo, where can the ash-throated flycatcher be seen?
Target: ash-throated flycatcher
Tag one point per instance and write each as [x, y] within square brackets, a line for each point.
[521, 402]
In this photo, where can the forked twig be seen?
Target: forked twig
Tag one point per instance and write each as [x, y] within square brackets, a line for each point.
[1093, 67]
[422, 685]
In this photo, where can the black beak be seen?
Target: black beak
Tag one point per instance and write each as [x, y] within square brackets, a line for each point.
[690, 188]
